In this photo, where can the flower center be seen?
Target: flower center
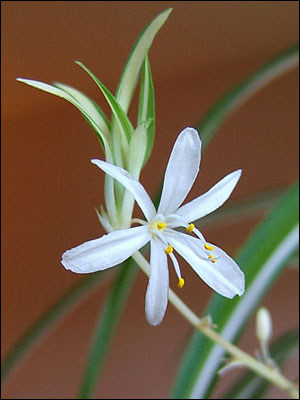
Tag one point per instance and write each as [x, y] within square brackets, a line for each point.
[157, 225]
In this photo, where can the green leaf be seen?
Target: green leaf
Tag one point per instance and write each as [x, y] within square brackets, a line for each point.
[106, 327]
[49, 319]
[137, 149]
[90, 106]
[146, 109]
[131, 74]
[251, 386]
[82, 107]
[135, 60]
[231, 101]
[124, 123]
[262, 258]
[120, 141]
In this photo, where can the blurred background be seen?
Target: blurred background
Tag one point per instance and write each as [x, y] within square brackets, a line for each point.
[50, 187]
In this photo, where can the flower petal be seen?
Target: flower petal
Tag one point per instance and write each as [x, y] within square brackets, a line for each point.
[211, 200]
[158, 286]
[181, 172]
[224, 276]
[131, 184]
[107, 251]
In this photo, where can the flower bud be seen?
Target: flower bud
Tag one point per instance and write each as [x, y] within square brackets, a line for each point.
[263, 325]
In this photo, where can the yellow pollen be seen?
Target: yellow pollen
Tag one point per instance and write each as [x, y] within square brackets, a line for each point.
[210, 256]
[168, 249]
[208, 247]
[190, 228]
[213, 260]
[180, 283]
[161, 225]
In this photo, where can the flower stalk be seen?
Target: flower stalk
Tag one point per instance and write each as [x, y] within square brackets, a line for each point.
[202, 325]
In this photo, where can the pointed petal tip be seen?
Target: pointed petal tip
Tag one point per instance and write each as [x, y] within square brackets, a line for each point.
[95, 161]
[239, 172]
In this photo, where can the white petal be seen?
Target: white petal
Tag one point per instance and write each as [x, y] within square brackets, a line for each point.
[107, 251]
[211, 200]
[158, 286]
[224, 276]
[181, 172]
[131, 184]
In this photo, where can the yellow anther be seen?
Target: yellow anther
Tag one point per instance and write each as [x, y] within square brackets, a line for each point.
[208, 247]
[210, 256]
[168, 249]
[161, 225]
[190, 228]
[180, 283]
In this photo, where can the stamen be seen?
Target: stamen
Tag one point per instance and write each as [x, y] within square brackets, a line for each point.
[190, 228]
[180, 283]
[161, 225]
[208, 247]
[213, 260]
[176, 265]
[169, 249]
[210, 256]
[199, 234]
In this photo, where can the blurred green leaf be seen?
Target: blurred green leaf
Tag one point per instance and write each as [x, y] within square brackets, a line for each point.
[231, 101]
[262, 258]
[146, 108]
[202, 357]
[106, 326]
[251, 386]
[50, 319]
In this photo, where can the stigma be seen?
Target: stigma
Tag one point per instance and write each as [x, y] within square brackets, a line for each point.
[161, 225]
[157, 225]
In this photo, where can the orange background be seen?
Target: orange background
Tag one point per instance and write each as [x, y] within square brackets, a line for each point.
[50, 188]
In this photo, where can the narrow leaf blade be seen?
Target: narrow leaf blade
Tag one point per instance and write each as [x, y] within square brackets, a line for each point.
[231, 101]
[88, 105]
[65, 95]
[146, 109]
[106, 326]
[135, 60]
[124, 124]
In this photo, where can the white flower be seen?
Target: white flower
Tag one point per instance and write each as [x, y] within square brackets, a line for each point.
[211, 263]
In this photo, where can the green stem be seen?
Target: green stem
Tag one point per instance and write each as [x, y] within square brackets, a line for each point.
[205, 327]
